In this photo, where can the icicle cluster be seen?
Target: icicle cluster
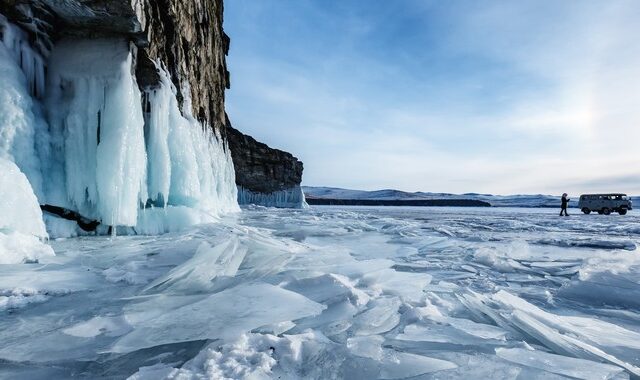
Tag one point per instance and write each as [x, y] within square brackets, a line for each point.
[85, 143]
[31, 62]
[188, 164]
[96, 122]
[289, 198]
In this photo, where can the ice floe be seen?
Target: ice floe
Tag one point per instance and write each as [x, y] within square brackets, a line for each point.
[367, 293]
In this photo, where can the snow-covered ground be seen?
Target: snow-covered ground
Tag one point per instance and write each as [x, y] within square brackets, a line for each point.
[355, 293]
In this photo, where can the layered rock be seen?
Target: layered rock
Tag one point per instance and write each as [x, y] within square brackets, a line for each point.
[186, 37]
[264, 175]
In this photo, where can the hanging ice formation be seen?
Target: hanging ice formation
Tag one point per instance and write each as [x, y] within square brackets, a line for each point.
[288, 198]
[85, 143]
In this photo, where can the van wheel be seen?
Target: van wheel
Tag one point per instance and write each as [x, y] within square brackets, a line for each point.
[622, 211]
[586, 210]
[606, 211]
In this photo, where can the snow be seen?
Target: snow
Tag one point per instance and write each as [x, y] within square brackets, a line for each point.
[21, 225]
[330, 292]
[288, 198]
[19, 209]
[16, 247]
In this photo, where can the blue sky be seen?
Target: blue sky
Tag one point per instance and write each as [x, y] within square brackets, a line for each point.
[452, 96]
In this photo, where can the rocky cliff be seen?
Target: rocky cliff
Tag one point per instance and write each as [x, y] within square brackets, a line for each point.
[180, 40]
[266, 176]
[186, 37]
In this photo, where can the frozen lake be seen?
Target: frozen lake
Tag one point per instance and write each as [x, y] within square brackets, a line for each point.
[330, 292]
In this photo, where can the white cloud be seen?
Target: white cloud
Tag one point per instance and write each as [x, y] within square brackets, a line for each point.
[567, 116]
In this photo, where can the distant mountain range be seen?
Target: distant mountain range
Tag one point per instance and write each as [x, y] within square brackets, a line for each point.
[323, 195]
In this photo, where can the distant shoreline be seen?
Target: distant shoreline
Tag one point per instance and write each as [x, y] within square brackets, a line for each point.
[418, 203]
[408, 202]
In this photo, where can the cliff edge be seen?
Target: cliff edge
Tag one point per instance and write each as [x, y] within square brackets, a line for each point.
[264, 175]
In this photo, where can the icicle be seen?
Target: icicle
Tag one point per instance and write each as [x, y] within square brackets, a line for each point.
[94, 98]
[289, 198]
[188, 164]
[101, 155]
[31, 62]
[23, 135]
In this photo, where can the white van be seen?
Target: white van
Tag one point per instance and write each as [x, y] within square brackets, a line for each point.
[605, 203]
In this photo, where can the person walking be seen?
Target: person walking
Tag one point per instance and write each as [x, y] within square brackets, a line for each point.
[565, 203]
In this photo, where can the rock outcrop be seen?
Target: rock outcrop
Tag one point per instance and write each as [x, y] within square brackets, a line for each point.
[264, 175]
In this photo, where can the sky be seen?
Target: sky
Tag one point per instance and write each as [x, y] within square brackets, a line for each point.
[497, 97]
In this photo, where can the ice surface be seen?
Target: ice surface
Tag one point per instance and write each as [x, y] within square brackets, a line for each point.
[562, 365]
[329, 292]
[110, 326]
[221, 315]
[381, 316]
[199, 272]
[580, 337]
[409, 286]
[288, 198]
[394, 364]
[328, 289]
[16, 247]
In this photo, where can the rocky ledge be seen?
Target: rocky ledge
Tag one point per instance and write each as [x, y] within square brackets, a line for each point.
[264, 175]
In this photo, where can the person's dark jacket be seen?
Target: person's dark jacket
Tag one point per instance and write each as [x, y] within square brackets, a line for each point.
[565, 202]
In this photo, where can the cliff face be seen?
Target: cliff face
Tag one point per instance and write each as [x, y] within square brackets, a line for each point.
[186, 40]
[260, 168]
[186, 37]
[265, 176]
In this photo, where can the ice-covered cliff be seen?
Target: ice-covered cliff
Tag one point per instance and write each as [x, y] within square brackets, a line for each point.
[115, 110]
[264, 175]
